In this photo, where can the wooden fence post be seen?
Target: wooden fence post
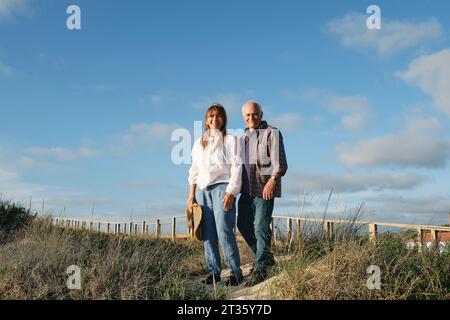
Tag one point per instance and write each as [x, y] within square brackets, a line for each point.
[434, 235]
[158, 229]
[298, 227]
[373, 230]
[329, 229]
[98, 227]
[289, 227]
[143, 227]
[107, 227]
[174, 225]
[131, 228]
[420, 239]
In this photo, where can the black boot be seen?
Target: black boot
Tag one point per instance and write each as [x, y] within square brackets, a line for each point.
[211, 279]
[234, 280]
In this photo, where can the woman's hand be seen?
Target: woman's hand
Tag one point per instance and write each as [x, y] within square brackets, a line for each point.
[228, 201]
[190, 202]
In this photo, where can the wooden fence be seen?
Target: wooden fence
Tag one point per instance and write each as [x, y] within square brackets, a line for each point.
[125, 227]
[143, 227]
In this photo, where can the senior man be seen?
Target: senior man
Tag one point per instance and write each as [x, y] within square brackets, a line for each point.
[264, 163]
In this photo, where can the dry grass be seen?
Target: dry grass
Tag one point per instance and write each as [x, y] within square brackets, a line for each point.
[112, 267]
[336, 269]
[34, 260]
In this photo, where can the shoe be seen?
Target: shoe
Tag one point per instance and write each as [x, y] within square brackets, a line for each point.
[234, 281]
[256, 277]
[271, 263]
[211, 279]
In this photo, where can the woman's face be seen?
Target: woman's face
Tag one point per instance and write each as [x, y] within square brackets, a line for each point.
[215, 120]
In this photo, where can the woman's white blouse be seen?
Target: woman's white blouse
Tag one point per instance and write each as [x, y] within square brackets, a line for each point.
[218, 162]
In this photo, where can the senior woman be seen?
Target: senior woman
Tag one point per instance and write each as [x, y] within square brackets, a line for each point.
[217, 173]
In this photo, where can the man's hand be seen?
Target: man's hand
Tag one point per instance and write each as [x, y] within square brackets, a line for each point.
[269, 188]
[228, 201]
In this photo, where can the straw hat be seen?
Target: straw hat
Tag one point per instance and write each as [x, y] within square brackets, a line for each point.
[194, 220]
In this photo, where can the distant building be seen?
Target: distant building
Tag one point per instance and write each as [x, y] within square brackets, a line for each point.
[443, 241]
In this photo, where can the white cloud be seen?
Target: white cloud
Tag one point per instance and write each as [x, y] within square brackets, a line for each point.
[159, 100]
[419, 125]
[142, 184]
[431, 73]
[355, 122]
[287, 121]
[394, 36]
[154, 134]
[297, 182]
[424, 205]
[12, 185]
[7, 174]
[5, 70]
[9, 8]
[414, 146]
[15, 187]
[356, 110]
[84, 152]
[156, 99]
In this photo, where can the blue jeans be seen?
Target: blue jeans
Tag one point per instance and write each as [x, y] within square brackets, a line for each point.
[255, 215]
[217, 225]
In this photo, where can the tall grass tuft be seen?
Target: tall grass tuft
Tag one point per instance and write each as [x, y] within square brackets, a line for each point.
[112, 266]
[335, 268]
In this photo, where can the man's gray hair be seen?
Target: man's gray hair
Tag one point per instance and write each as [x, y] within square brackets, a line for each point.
[256, 104]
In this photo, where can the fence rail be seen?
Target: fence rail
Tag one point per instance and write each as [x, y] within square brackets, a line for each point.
[179, 222]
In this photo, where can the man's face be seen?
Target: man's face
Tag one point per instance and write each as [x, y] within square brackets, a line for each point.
[252, 117]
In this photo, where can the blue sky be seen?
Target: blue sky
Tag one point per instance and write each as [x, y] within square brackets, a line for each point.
[87, 114]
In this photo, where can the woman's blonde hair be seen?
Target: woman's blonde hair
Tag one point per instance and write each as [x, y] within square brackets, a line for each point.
[221, 110]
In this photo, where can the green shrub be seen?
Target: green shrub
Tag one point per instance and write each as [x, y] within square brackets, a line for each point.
[12, 218]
